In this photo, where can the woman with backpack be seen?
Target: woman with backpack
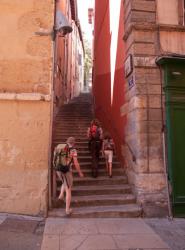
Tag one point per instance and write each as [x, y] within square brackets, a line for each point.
[108, 148]
[95, 136]
[65, 155]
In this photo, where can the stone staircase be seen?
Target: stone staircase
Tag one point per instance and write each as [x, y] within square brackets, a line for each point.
[91, 197]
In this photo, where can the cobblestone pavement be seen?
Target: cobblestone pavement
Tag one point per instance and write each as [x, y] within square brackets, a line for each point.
[171, 231]
[20, 232]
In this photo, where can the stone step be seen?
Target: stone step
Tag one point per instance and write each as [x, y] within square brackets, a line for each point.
[83, 152]
[65, 122]
[84, 114]
[78, 134]
[100, 190]
[101, 165]
[78, 140]
[72, 126]
[73, 119]
[98, 200]
[118, 211]
[68, 130]
[89, 158]
[101, 172]
[100, 180]
[81, 144]
[63, 135]
[74, 115]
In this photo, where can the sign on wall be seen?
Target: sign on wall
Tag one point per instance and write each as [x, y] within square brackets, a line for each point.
[128, 66]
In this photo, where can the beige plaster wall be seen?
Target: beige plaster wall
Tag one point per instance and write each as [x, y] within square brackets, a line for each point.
[172, 42]
[25, 105]
[167, 11]
[24, 141]
[25, 58]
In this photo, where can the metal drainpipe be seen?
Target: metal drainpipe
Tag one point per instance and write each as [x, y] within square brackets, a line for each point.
[51, 113]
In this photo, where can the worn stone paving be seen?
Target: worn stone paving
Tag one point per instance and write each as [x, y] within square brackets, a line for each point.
[171, 231]
[26, 233]
[21, 232]
[100, 234]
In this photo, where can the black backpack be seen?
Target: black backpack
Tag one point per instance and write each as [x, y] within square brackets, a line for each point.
[62, 159]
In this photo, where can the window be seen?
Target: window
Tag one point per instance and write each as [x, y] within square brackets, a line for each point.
[181, 10]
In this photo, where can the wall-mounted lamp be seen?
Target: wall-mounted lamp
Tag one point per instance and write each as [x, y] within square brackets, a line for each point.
[62, 27]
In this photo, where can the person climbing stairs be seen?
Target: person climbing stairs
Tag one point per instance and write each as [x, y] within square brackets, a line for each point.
[91, 197]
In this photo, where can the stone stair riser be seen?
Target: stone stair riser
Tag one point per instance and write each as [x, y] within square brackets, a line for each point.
[97, 182]
[102, 202]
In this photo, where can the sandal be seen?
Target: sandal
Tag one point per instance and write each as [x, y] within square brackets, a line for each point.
[61, 199]
[68, 213]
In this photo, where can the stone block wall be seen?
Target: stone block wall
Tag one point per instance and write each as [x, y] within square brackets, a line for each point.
[25, 105]
[143, 133]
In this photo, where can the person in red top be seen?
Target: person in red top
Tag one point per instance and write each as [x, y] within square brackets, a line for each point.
[95, 136]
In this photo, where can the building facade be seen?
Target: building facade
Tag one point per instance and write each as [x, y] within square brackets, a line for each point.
[141, 71]
[35, 79]
[25, 105]
[69, 61]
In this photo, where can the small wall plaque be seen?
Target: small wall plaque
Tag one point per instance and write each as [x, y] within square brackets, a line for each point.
[128, 66]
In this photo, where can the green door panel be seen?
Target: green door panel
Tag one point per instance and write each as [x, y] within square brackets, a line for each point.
[174, 88]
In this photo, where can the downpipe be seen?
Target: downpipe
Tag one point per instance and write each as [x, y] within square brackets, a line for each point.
[170, 215]
[51, 111]
[163, 130]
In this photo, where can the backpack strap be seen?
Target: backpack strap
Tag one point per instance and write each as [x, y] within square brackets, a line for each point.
[56, 154]
[68, 153]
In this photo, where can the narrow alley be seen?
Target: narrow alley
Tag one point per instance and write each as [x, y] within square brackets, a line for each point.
[100, 197]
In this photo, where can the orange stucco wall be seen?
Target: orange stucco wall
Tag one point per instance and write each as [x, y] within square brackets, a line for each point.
[109, 84]
[25, 105]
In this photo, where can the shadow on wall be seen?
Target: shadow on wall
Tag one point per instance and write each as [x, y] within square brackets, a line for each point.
[107, 112]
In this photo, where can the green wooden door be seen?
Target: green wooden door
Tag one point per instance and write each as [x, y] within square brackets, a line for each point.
[174, 88]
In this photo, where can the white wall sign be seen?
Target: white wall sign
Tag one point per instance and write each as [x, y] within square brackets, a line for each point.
[128, 66]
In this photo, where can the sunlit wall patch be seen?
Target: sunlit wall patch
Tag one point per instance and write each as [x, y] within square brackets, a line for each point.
[114, 31]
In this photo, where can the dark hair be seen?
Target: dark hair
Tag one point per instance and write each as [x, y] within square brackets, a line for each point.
[95, 122]
[107, 135]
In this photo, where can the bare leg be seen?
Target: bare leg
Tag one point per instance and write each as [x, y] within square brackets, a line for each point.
[68, 200]
[59, 174]
[107, 166]
[61, 196]
[94, 156]
[110, 169]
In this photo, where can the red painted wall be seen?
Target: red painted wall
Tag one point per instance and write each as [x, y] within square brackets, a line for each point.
[108, 113]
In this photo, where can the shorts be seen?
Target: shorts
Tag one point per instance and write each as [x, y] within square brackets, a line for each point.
[67, 179]
[108, 155]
